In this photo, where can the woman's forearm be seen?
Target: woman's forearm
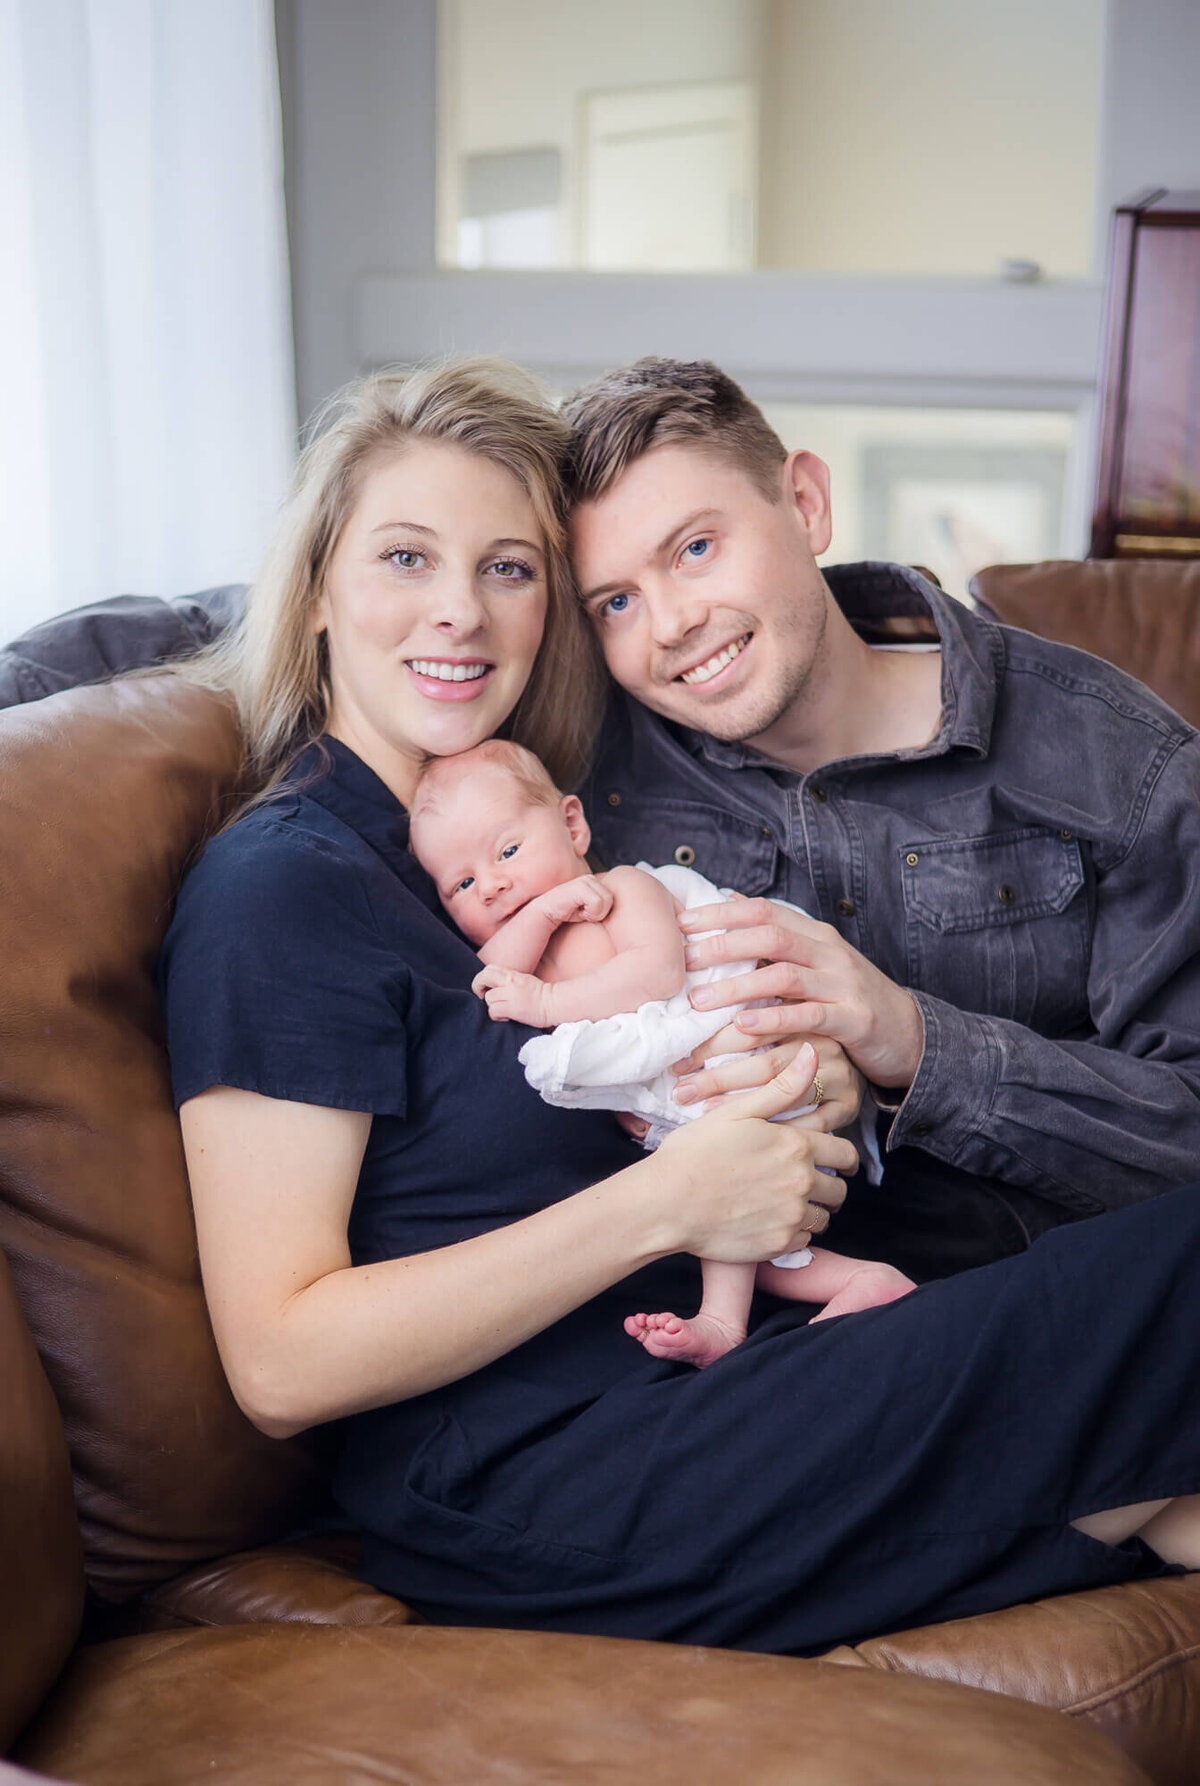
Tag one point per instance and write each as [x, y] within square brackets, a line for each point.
[371, 1334]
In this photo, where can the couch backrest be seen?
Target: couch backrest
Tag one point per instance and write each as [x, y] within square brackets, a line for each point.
[41, 1563]
[104, 794]
[1142, 614]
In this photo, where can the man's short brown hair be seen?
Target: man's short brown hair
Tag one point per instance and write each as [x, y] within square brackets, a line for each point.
[656, 402]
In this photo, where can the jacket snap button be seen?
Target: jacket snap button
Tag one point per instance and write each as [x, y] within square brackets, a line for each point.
[614, 799]
[1067, 836]
[845, 907]
[922, 1128]
[912, 858]
[685, 855]
[1006, 894]
[819, 795]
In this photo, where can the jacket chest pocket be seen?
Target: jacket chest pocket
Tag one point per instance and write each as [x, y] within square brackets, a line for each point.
[999, 925]
[729, 851]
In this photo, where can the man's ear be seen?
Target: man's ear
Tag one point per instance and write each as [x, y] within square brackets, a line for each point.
[577, 825]
[806, 489]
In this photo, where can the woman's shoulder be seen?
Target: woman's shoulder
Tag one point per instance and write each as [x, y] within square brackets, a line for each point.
[286, 861]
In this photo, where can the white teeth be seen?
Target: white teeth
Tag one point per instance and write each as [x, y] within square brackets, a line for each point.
[443, 672]
[705, 672]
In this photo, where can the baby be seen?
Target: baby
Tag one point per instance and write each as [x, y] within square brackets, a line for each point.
[562, 946]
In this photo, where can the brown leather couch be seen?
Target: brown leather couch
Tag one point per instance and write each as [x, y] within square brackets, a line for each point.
[210, 1646]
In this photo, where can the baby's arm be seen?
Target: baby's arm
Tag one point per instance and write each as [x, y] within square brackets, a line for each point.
[521, 943]
[648, 964]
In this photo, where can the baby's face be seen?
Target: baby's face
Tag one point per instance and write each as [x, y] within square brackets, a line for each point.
[490, 850]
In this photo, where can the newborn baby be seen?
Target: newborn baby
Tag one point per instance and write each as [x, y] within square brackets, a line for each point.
[561, 946]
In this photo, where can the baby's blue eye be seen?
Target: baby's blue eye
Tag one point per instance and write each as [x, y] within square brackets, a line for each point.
[463, 885]
[510, 849]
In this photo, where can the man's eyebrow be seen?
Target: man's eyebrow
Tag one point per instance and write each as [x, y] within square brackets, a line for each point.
[688, 522]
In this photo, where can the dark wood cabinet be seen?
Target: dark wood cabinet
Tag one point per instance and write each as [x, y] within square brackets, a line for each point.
[1148, 487]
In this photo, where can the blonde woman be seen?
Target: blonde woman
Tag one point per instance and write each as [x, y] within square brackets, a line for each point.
[396, 1232]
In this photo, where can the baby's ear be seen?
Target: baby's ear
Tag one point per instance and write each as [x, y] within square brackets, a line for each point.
[577, 825]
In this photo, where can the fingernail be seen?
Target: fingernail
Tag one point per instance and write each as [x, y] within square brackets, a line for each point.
[686, 921]
[691, 955]
[807, 1055]
[683, 1066]
[685, 1093]
[703, 997]
[749, 1020]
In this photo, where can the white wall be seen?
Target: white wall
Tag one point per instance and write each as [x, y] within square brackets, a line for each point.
[931, 135]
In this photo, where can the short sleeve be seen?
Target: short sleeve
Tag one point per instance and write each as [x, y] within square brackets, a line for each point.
[276, 979]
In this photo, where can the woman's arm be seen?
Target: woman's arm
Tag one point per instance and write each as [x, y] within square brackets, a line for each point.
[305, 1336]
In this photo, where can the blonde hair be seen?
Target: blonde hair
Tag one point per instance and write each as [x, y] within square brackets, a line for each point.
[442, 773]
[275, 667]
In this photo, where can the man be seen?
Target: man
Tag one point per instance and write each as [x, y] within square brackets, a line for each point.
[1000, 837]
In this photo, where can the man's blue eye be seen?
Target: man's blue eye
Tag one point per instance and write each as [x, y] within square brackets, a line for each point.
[616, 604]
[697, 548]
[510, 849]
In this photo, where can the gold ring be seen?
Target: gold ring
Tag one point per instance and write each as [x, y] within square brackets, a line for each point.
[818, 1091]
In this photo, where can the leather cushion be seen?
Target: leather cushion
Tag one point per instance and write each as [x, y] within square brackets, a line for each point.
[41, 1565]
[312, 1582]
[104, 793]
[1142, 614]
[313, 1705]
[1126, 1658]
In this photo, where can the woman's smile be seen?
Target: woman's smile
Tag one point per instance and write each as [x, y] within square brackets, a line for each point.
[450, 678]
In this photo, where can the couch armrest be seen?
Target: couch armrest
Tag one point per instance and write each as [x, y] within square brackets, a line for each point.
[311, 1582]
[1125, 1658]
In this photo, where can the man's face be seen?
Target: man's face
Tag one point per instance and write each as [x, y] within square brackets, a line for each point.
[706, 596]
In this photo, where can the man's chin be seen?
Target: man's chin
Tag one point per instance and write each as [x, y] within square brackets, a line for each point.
[730, 720]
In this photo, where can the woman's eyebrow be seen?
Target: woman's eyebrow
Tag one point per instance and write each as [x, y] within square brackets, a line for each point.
[411, 526]
[527, 544]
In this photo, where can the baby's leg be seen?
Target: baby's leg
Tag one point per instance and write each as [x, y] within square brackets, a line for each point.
[717, 1329]
[843, 1285]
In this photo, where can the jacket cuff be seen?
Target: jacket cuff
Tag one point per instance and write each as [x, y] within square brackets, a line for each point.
[955, 1083]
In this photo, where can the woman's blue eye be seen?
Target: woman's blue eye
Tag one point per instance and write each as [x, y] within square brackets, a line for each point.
[512, 570]
[404, 558]
[510, 849]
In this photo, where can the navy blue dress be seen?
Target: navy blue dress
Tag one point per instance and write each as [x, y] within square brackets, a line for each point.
[817, 1485]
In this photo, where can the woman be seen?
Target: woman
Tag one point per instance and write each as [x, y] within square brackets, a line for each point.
[395, 1231]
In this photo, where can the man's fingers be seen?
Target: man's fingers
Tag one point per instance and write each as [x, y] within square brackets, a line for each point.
[758, 942]
[781, 979]
[785, 1089]
[804, 1019]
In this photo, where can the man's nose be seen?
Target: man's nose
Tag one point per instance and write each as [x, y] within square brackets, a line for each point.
[673, 613]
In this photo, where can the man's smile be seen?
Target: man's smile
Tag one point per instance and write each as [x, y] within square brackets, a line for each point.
[712, 666]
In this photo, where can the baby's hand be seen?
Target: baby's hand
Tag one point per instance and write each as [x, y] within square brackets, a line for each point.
[582, 899]
[512, 997]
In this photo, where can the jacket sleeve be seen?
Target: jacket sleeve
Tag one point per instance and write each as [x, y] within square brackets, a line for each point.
[1115, 1118]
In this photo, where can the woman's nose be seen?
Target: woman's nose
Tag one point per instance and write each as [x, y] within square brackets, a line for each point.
[456, 605]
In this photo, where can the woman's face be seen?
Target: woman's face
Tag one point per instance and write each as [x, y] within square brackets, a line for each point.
[433, 607]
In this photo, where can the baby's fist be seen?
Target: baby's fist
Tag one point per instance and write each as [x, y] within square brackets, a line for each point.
[512, 997]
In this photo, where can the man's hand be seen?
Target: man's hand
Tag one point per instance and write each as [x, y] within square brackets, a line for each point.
[583, 899]
[832, 990]
[513, 998]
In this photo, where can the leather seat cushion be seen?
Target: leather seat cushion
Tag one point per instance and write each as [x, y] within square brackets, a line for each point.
[419, 1705]
[1142, 614]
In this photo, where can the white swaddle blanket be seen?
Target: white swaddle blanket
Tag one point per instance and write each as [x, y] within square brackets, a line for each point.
[624, 1062]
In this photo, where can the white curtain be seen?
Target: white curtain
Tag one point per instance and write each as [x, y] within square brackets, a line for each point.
[147, 409]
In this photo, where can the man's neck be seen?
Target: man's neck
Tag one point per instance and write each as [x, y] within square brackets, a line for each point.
[858, 702]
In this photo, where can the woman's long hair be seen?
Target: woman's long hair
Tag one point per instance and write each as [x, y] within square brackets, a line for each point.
[276, 668]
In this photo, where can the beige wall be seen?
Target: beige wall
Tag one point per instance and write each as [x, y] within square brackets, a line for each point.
[1006, 96]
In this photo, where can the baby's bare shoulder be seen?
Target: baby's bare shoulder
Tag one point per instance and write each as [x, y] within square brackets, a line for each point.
[633, 886]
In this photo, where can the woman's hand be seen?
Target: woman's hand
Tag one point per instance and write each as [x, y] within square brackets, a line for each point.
[836, 992]
[841, 1082]
[743, 1188]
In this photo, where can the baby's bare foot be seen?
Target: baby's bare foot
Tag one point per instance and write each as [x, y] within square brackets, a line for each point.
[700, 1341]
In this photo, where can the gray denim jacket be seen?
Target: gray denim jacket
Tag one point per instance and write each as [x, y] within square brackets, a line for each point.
[1033, 874]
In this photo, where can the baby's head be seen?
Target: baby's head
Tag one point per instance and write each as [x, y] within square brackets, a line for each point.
[492, 830]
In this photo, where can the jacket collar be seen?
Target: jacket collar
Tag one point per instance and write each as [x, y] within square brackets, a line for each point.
[889, 604]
